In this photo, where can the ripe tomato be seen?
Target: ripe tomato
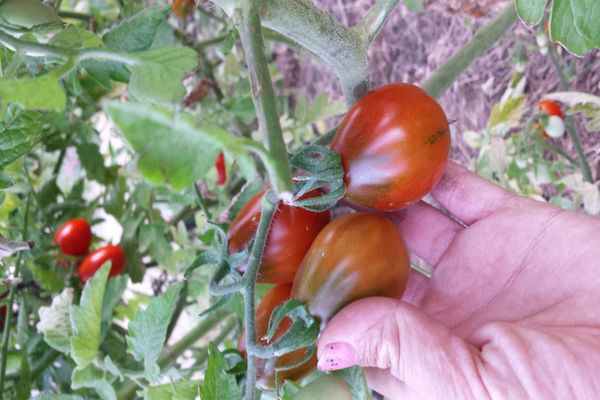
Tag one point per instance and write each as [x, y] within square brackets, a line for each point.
[96, 259]
[330, 387]
[265, 371]
[221, 169]
[292, 231]
[551, 108]
[74, 237]
[182, 8]
[354, 256]
[394, 144]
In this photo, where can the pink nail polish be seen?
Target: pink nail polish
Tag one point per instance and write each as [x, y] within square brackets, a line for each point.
[337, 355]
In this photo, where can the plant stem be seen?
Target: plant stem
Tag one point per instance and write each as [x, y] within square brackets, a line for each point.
[267, 211]
[569, 124]
[263, 96]
[376, 17]
[11, 301]
[483, 39]
[340, 47]
[127, 392]
[74, 15]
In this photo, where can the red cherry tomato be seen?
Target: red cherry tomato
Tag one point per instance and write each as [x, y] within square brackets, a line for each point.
[266, 372]
[292, 231]
[221, 169]
[96, 259]
[551, 108]
[394, 144]
[74, 237]
[182, 8]
[354, 256]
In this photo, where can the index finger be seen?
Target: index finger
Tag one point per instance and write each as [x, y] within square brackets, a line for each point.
[468, 196]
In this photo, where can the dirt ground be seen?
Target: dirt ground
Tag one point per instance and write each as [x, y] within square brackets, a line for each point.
[412, 45]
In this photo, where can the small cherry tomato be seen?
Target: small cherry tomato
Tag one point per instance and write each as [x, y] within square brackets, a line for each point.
[182, 8]
[394, 144]
[292, 231]
[221, 169]
[266, 371]
[96, 259]
[354, 256]
[551, 108]
[330, 387]
[74, 237]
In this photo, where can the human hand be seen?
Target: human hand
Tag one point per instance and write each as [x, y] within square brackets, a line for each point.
[510, 312]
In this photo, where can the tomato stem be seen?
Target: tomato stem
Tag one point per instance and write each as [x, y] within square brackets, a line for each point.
[376, 18]
[11, 300]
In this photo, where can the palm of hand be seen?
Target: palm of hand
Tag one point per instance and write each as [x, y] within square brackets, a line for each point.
[510, 310]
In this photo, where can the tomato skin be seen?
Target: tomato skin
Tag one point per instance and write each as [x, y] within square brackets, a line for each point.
[93, 261]
[394, 144]
[328, 386]
[221, 169]
[551, 108]
[290, 235]
[355, 256]
[182, 8]
[266, 372]
[74, 237]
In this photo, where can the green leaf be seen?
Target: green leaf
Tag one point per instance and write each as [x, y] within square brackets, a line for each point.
[531, 11]
[5, 181]
[218, 384]
[18, 136]
[587, 20]
[173, 147]
[23, 384]
[158, 77]
[28, 14]
[42, 92]
[54, 322]
[564, 30]
[85, 319]
[10, 247]
[92, 161]
[509, 112]
[180, 390]
[95, 378]
[74, 37]
[135, 266]
[355, 377]
[138, 32]
[148, 329]
[52, 396]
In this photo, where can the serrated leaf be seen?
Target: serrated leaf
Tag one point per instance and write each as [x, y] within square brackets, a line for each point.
[41, 92]
[180, 390]
[157, 78]
[218, 384]
[564, 30]
[55, 323]
[174, 148]
[148, 329]
[138, 32]
[73, 37]
[85, 319]
[531, 11]
[509, 112]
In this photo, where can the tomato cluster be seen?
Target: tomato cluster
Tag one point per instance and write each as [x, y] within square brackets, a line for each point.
[394, 145]
[74, 238]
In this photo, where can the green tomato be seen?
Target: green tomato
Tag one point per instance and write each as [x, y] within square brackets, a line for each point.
[28, 14]
[329, 387]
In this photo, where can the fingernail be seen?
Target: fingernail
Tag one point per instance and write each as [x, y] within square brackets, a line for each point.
[338, 355]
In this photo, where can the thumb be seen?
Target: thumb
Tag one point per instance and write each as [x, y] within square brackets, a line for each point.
[405, 351]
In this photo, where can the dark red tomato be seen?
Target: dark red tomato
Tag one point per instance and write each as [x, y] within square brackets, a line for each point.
[74, 237]
[96, 259]
[182, 8]
[221, 169]
[551, 108]
[266, 372]
[394, 144]
[354, 256]
[292, 231]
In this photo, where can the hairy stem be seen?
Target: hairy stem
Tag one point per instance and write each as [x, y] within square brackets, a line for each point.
[480, 43]
[263, 96]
